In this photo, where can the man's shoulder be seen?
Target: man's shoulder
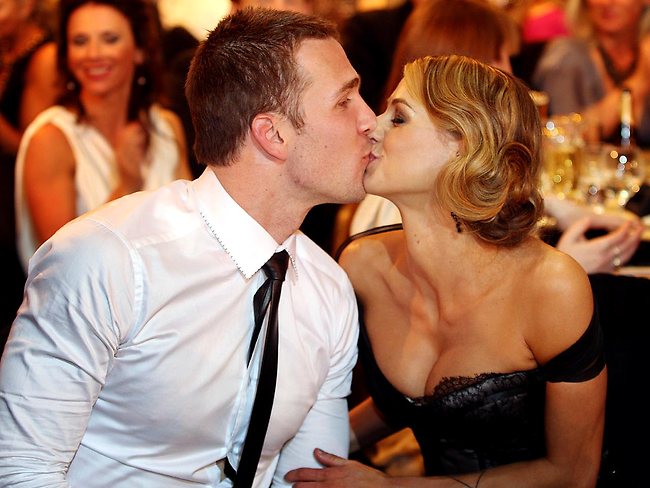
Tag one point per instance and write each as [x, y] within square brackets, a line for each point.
[141, 214]
[317, 264]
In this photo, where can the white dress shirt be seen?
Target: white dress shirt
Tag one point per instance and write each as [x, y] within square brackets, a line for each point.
[126, 365]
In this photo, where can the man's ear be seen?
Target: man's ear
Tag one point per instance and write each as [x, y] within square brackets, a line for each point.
[266, 131]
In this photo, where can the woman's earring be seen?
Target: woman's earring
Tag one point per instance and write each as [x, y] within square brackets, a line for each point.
[457, 221]
[70, 85]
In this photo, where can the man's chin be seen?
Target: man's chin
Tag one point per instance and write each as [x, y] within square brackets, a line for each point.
[359, 196]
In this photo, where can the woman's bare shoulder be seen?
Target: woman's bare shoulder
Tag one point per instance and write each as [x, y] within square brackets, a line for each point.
[367, 257]
[561, 303]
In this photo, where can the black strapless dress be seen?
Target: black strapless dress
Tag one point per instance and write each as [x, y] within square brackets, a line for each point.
[474, 423]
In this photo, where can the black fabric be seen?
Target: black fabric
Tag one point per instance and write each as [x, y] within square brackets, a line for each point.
[472, 423]
[623, 306]
[275, 268]
[469, 424]
[369, 39]
[583, 361]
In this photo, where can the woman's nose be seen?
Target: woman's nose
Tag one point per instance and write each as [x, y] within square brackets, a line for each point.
[377, 133]
[93, 48]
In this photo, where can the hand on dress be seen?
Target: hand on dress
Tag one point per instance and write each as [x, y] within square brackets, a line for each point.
[605, 253]
[337, 473]
[130, 154]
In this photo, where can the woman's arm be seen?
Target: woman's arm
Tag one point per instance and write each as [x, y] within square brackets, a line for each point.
[39, 92]
[368, 425]
[49, 181]
[41, 87]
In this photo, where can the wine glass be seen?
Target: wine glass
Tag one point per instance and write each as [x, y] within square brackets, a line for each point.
[593, 177]
[624, 171]
[563, 145]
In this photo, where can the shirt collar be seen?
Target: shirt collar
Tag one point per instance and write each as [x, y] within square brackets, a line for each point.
[247, 243]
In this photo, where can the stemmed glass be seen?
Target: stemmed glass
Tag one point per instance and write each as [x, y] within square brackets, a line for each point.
[563, 146]
[624, 172]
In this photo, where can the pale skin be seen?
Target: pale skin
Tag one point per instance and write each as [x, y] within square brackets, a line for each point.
[324, 161]
[601, 254]
[476, 307]
[102, 57]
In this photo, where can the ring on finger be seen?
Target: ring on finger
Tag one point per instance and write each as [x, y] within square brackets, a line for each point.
[616, 261]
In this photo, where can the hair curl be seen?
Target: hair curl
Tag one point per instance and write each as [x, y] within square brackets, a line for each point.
[492, 185]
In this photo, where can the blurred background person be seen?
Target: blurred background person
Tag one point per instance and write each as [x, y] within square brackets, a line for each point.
[542, 20]
[109, 136]
[609, 50]
[539, 22]
[441, 28]
[369, 38]
[27, 86]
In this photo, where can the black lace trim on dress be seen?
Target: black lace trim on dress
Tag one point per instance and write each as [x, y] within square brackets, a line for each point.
[452, 384]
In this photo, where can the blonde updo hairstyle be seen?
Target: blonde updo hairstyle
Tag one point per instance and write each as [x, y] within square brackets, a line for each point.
[492, 185]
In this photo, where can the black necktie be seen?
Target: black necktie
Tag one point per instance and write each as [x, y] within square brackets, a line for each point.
[268, 294]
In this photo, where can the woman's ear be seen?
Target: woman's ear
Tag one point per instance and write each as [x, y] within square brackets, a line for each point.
[266, 131]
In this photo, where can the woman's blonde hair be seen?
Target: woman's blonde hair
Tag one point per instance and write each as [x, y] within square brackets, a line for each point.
[492, 185]
[472, 28]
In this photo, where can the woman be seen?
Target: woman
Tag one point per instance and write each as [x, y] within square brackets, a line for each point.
[608, 51]
[437, 28]
[478, 336]
[27, 86]
[108, 137]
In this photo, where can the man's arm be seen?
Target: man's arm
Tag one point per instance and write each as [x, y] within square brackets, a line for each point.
[58, 354]
[327, 423]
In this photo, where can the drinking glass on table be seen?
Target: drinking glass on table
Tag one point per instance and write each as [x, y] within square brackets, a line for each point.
[593, 176]
[563, 148]
[625, 172]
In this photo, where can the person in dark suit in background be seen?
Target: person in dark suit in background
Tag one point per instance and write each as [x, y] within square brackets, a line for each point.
[369, 39]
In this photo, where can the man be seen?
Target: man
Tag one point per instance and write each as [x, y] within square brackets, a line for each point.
[127, 364]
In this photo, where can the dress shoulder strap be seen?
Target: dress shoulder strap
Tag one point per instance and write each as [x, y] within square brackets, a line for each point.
[375, 230]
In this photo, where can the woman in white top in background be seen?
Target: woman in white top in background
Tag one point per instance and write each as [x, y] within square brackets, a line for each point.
[108, 137]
